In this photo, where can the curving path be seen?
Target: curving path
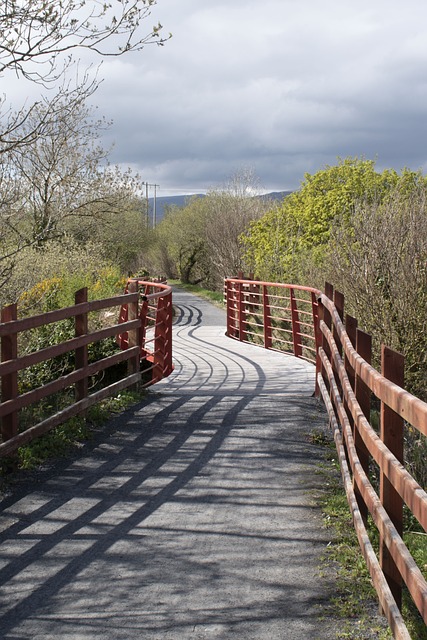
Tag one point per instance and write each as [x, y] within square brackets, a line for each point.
[190, 517]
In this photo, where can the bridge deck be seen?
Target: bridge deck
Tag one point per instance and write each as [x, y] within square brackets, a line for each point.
[190, 518]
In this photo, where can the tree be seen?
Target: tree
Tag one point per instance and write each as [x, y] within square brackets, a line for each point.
[62, 183]
[379, 261]
[35, 36]
[286, 240]
[231, 210]
[44, 179]
[38, 42]
[179, 249]
[200, 242]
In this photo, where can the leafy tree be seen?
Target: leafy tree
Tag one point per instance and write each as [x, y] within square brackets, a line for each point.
[123, 234]
[286, 239]
[180, 243]
[201, 241]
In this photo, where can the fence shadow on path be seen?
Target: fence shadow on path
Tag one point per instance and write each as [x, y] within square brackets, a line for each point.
[190, 516]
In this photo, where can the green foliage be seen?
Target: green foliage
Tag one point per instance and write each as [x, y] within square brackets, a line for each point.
[288, 238]
[200, 243]
[55, 293]
[57, 443]
[379, 261]
[179, 248]
[47, 278]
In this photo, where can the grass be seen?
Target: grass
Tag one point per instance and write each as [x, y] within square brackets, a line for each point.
[355, 602]
[65, 438]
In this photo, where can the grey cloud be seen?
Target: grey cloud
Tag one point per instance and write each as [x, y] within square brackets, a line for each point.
[285, 88]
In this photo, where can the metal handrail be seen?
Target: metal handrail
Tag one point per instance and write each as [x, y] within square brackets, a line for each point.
[346, 381]
[144, 365]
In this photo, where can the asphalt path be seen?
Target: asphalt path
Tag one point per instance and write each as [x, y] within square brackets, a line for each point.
[190, 517]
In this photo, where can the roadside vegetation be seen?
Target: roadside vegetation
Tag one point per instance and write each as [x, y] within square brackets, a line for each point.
[356, 603]
[68, 220]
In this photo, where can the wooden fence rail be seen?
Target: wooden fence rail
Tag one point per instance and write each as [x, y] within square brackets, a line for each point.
[143, 332]
[278, 316]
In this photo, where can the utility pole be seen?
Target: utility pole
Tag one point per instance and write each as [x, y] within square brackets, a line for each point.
[154, 207]
[147, 206]
[155, 186]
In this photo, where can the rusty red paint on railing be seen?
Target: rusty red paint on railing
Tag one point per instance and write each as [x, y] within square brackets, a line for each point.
[145, 330]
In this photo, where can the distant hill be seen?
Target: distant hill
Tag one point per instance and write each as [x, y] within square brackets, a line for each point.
[180, 201]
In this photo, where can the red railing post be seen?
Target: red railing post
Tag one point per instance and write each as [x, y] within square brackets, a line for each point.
[229, 305]
[143, 332]
[268, 337]
[133, 334]
[9, 381]
[159, 341]
[339, 305]
[296, 329]
[81, 353]
[317, 312]
[363, 396]
[242, 312]
[162, 351]
[168, 365]
[163, 338]
[392, 368]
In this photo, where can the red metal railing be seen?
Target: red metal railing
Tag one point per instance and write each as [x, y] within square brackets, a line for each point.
[155, 337]
[282, 317]
[277, 316]
[144, 332]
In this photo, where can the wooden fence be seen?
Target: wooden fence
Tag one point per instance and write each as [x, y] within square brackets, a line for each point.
[143, 333]
[278, 316]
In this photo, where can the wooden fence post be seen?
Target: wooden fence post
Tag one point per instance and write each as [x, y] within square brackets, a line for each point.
[81, 353]
[317, 308]
[159, 341]
[326, 317]
[9, 382]
[339, 305]
[228, 305]
[351, 329]
[392, 368]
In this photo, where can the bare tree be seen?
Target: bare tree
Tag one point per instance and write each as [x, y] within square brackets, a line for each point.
[379, 260]
[50, 167]
[60, 182]
[38, 44]
[36, 35]
[231, 210]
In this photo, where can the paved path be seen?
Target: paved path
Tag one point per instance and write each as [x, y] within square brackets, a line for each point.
[191, 516]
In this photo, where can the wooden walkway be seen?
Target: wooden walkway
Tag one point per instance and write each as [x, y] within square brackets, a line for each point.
[190, 517]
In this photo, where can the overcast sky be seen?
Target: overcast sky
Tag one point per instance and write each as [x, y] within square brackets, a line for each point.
[280, 86]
